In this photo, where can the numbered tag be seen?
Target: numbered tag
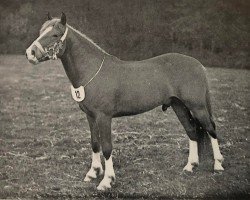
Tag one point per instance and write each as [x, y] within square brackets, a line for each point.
[78, 94]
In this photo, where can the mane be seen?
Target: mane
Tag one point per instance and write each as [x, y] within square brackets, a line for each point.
[87, 38]
[54, 20]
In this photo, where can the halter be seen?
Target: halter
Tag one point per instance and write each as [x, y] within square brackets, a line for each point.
[51, 51]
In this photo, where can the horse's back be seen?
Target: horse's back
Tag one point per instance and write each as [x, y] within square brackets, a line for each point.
[177, 61]
[178, 69]
[184, 65]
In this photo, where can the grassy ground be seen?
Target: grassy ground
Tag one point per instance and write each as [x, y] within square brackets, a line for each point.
[45, 141]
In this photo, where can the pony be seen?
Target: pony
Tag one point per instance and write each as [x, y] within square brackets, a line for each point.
[106, 87]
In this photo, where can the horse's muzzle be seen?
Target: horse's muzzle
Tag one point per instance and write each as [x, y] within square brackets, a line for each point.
[31, 56]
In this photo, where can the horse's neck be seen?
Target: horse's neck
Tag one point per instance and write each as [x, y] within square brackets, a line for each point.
[81, 59]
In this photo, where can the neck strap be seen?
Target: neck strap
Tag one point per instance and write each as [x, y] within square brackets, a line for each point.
[95, 73]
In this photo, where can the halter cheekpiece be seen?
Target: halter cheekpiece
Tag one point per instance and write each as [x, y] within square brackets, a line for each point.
[52, 51]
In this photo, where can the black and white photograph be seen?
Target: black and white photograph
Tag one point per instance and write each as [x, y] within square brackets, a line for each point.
[124, 99]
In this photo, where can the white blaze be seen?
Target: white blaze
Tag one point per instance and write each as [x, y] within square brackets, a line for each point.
[38, 45]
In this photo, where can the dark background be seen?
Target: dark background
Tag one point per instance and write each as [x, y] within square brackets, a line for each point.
[216, 32]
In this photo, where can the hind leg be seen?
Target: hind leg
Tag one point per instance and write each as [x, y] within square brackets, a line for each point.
[188, 123]
[207, 123]
[218, 158]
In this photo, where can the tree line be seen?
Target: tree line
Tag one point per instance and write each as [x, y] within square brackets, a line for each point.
[216, 32]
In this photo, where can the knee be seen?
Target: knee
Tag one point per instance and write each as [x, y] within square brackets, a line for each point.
[107, 150]
[95, 147]
[193, 135]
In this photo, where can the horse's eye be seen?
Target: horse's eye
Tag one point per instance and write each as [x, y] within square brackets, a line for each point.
[54, 35]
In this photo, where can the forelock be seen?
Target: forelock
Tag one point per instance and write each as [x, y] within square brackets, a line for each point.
[49, 23]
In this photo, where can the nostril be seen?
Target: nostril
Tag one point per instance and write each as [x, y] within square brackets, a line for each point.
[26, 55]
[33, 52]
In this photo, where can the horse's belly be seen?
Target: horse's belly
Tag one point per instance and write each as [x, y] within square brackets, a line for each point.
[128, 111]
[139, 102]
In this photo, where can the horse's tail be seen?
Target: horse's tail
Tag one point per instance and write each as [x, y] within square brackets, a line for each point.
[199, 129]
[203, 139]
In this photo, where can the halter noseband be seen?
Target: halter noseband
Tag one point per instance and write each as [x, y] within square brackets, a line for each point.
[51, 51]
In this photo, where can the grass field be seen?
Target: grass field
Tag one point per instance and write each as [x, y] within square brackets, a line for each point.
[45, 141]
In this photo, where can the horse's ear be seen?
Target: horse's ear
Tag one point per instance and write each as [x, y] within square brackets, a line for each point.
[49, 16]
[63, 19]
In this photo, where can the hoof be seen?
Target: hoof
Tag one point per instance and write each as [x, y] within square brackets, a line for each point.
[103, 187]
[106, 183]
[93, 173]
[218, 166]
[188, 168]
[88, 178]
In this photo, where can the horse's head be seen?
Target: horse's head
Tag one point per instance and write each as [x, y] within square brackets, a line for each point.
[51, 43]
